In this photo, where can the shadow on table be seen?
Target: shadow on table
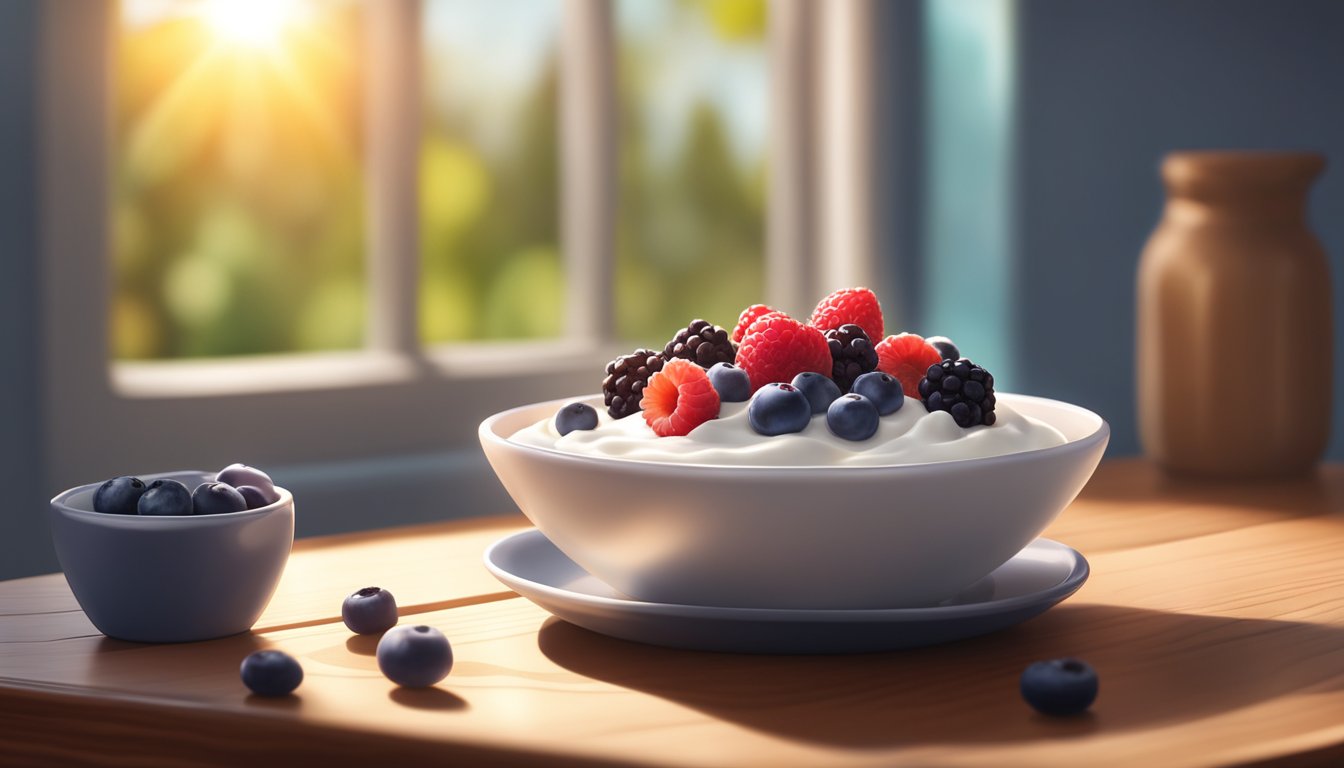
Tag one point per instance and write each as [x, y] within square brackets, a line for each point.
[162, 668]
[1156, 669]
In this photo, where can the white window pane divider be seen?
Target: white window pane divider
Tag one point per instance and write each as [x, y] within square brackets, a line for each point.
[393, 113]
[588, 152]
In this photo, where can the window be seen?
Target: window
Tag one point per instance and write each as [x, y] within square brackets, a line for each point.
[373, 381]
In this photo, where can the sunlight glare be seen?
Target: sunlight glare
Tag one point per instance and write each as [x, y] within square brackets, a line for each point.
[251, 23]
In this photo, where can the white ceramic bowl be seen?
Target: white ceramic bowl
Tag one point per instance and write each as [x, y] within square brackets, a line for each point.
[795, 537]
[171, 579]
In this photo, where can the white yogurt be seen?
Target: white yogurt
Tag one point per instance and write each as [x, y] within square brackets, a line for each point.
[908, 436]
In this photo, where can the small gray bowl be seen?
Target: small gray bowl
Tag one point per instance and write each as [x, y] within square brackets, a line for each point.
[171, 579]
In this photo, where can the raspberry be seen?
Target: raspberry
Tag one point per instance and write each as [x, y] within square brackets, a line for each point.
[626, 378]
[701, 342]
[961, 388]
[852, 305]
[776, 348]
[750, 315]
[679, 398]
[852, 354]
[907, 357]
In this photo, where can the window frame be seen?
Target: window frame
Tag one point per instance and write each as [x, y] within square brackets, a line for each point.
[397, 396]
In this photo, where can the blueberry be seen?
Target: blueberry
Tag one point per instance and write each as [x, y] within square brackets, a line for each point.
[165, 497]
[818, 388]
[944, 346]
[575, 416]
[370, 611]
[1060, 686]
[732, 383]
[241, 474]
[778, 409]
[852, 417]
[883, 389]
[216, 499]
[271, 673]
[118, 496]
[253, 496]
[415, 657]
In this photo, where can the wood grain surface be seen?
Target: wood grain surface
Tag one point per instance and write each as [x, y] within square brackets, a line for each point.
[1214, 616]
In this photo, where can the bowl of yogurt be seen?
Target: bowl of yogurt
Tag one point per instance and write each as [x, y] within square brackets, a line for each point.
[725, 516]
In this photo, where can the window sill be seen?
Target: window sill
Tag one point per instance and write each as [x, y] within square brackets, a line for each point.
[353, 370]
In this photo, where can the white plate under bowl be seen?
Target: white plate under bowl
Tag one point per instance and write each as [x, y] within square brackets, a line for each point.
[1035, 579]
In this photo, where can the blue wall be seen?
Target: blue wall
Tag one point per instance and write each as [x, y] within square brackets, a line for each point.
[24, 544]
[1103, 89]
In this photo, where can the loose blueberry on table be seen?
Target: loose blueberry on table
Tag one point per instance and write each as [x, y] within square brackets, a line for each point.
[164, 498]
[370, 611]
[778, 409]
[271, 673]
[819, 390]
[217, 499]
[1059, 687]
[118, 496]
[415, 657]
[575, 416]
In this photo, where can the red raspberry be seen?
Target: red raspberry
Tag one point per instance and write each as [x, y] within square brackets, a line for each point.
[750, 315]
[852, 305]
[777, 348]
[907, 357]
[679, 398]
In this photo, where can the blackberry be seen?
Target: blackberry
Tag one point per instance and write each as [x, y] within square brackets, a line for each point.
[701, 342]
[852, 354]
[627, 375]
[961, 388]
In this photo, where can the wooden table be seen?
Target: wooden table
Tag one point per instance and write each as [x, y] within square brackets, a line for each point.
[1214, 616]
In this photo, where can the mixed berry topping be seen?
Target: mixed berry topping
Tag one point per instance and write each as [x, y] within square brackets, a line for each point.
[679, 398]
[852, 305]
[963, 389]
[790, 372]
[776, 348]
[885, 392]
[732, 383]
[750, 315]
[945, 347]
[906, 356]
[623, 388]
[852, 354]
[779, 409]
[701, 342]
[819, 390]
[852, 417]
[575, 416]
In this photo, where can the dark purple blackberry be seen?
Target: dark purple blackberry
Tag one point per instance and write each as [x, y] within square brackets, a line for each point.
[701, 342]
[627, 375]
[961, 388]
[852, 354]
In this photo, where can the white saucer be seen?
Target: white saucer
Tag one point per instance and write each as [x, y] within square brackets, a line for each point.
[1035, 579]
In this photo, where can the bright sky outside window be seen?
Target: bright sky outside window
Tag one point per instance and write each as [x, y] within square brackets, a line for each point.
[691, 209]
[237, 211]
[489, 203]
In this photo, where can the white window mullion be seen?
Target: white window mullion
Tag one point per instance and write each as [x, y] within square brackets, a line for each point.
[588, 155]
[392, 147]
[791, 214]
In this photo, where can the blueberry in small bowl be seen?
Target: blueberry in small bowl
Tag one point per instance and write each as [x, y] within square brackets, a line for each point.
[167, 574]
